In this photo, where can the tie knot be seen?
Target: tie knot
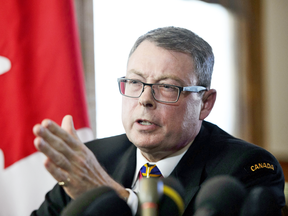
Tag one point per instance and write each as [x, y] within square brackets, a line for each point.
[150, 171]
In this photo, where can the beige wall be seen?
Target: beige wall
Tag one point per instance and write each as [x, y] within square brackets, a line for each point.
[275, 41]
[84, 12]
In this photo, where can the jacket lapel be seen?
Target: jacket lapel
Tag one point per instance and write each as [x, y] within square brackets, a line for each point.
[124, 172]
[190, 171]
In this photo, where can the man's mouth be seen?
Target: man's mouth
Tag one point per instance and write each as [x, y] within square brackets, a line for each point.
[144, 122]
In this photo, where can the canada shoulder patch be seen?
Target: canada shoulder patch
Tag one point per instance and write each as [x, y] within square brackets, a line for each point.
[261, 166]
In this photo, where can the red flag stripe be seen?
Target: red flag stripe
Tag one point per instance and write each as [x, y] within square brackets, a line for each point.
[46, 76]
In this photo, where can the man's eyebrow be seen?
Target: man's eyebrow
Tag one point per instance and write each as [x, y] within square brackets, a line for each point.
[132, 71]
[177, 79]
[160, 78]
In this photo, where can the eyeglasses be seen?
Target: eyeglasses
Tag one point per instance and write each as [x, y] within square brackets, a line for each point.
[161, 92]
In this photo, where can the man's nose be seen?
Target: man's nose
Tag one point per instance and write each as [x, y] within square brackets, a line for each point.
[146, 99]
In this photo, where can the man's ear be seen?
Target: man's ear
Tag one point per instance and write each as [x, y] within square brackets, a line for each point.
[208, 101]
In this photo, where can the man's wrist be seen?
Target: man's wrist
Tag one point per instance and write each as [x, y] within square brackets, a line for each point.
[132, 201]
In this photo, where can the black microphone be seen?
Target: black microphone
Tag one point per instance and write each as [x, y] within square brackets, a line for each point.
[171, 202]
[99, 201]
[261, 201]
[221, 196]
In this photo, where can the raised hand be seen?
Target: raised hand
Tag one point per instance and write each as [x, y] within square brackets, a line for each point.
[69, 161]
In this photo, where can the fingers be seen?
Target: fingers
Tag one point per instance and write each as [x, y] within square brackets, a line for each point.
[67, 136]
[57, 143]
[68, 125]
[55, 171]
[53, 133]
[59, 156]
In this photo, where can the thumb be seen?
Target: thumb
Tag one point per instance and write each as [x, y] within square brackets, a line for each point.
[68, 125]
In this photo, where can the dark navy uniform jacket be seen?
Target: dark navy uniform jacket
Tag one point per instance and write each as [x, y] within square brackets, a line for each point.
[213, 152]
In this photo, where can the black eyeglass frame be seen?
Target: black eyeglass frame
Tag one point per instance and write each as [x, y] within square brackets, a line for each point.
[193, 89]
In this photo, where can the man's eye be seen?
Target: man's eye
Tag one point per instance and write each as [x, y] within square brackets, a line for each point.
[133, 82]
[168, 87]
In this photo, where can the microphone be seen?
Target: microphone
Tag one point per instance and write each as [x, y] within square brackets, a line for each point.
[163, 197]
[99, 201]
[261, 201]
[221, 195]
[149, 194]
[171, 202]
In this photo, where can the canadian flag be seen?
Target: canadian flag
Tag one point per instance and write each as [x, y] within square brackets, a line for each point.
[41, 76]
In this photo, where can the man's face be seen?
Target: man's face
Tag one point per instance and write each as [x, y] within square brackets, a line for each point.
[160, 129]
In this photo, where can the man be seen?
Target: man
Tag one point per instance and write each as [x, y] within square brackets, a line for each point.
[164, 125]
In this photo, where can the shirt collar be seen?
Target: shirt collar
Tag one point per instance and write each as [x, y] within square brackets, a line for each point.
[166, 165]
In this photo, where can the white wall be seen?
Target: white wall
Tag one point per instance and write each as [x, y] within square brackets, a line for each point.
[119, 23]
